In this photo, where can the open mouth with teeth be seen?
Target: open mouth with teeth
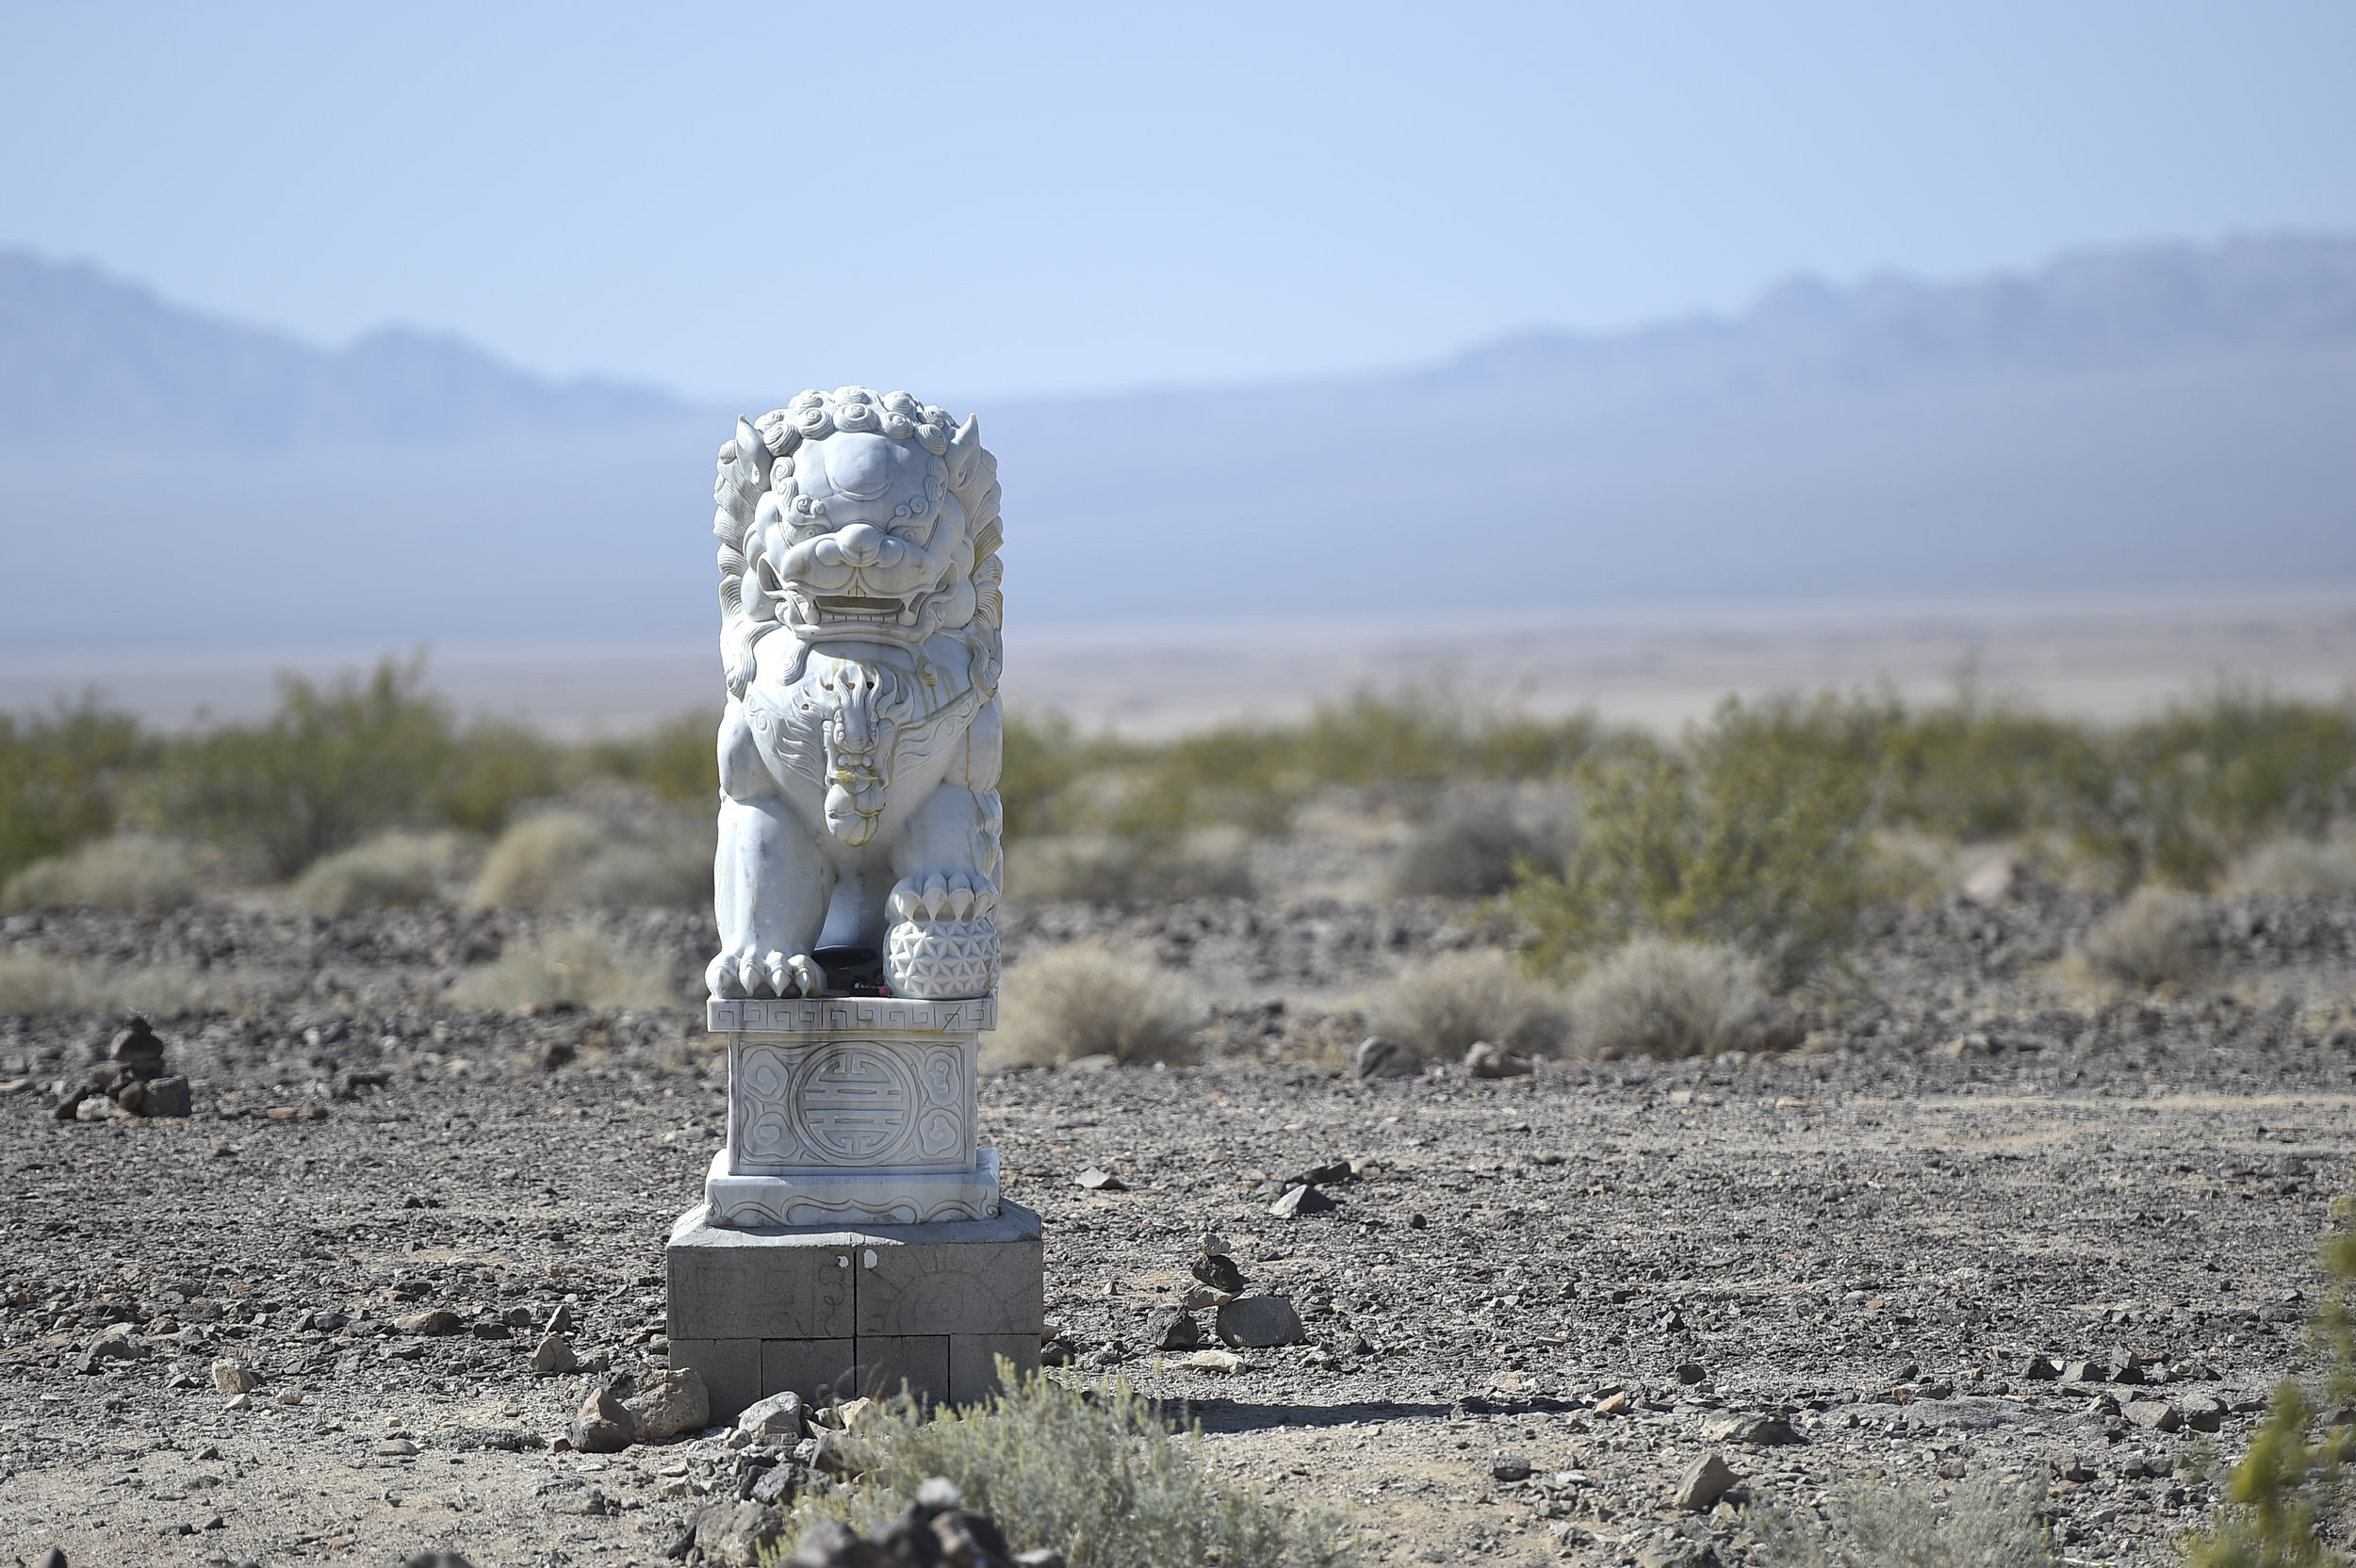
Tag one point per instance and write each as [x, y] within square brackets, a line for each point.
[854, 613]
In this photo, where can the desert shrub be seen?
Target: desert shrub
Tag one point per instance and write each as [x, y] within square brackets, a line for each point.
[1441, 1006]
[1473, 838]
[390, 871]
[1982, 1526]
[2177, 797]
[333, 765]
[1976, 767]
[2301, 868]
[2290, 1489]
[1656, 998]
[127, 871]
[62, 775]
[2157, 935]
[1092, 1473]
[614, 851]
[1255, 778]
[36, 985]
[1753, 831]
[678, 759]
[1084, 1001]
[580, 967]
[1106, 869]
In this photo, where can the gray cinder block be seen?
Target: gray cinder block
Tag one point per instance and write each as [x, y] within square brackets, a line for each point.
[820, 1371]
[730, 1369]
[974, 1363]
[831, 1312]
[918, 1363]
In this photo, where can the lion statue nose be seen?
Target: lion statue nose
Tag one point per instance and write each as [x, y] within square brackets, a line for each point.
[861, 545]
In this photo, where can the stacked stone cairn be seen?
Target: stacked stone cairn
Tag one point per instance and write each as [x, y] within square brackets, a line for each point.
[130, 1081]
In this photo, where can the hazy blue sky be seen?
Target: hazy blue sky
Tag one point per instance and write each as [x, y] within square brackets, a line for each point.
[974, 200]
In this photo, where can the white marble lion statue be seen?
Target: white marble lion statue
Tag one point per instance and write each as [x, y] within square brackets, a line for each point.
[859, 751]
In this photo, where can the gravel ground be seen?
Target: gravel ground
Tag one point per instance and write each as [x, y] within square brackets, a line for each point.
[1823, 1265]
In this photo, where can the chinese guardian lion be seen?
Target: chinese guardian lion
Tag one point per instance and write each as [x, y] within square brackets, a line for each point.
[859, 751]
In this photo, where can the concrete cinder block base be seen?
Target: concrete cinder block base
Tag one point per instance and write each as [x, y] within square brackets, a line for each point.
[830, 1311]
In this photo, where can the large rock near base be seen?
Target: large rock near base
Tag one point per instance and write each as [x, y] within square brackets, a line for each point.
[1705, 1481]
[1173, 1328]
[779, 1413]
[1260, 1321]
[235, 1376]
[166, 1096]
[737, 1533]
[667, 1403]
[603, 1425]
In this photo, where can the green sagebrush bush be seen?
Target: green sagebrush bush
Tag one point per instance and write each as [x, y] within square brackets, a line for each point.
[1752, 832]
[1095, 1473]
[2176, 798]
[338, 762]
[1256, 777]
[1981, 1526]
[62, 779]
[2287, 1499]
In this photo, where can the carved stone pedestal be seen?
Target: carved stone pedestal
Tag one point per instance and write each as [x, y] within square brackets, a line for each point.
[845, 1110]
[852, 1239]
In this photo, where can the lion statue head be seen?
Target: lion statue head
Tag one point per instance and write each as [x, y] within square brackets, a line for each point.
[854, 516]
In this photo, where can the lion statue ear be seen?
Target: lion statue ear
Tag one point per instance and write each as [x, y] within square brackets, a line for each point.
[965, 450]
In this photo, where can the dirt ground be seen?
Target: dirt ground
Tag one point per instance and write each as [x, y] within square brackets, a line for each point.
[1538, 1304]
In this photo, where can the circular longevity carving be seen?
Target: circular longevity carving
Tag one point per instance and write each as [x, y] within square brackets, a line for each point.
[857, 1103]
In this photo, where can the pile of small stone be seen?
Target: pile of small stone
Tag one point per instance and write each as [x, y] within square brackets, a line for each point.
[131, 1081]
[1239, 1320]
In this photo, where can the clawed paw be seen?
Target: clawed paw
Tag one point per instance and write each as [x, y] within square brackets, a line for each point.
[944, 896]
[747, 975]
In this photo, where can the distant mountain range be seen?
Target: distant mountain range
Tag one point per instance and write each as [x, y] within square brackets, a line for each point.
[83, 356]
[2169, 416]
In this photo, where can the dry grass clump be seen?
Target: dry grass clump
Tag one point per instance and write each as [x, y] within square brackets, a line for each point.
[2156, 936]
[130, 871]
[1094, 1474]
[1084, 1001]
[1440, 1007]
[580, 967]
[390, 871]
[2299, 868]
[34, 985]
[1981, 1526]
[1655, 998]
[613, 854]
